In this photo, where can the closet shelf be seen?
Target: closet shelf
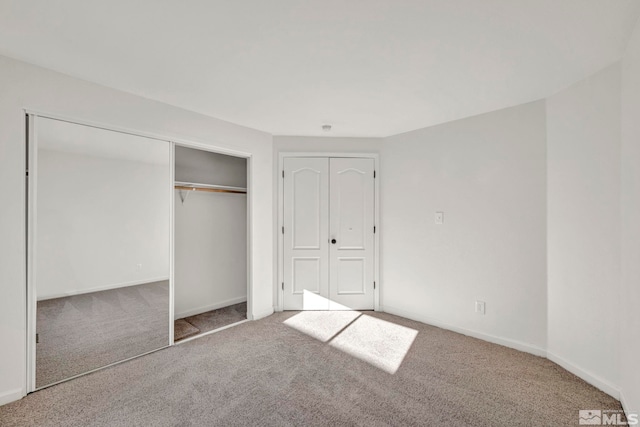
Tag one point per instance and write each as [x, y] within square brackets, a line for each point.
[193, 186]
[187, 187]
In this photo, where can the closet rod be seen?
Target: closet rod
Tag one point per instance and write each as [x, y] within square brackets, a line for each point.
[210, 190]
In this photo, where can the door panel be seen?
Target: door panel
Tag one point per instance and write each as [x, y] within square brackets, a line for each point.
[306, 275]
[307, 208]
[99, 248]
[351, 276]
[351, 221]
[306, 222]
[350, 214]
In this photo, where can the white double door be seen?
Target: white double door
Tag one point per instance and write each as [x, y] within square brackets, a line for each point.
[328, 234]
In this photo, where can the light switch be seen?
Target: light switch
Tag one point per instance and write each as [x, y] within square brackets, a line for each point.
[439, 217]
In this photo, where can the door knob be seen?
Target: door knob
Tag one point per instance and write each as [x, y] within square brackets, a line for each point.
[334, 241]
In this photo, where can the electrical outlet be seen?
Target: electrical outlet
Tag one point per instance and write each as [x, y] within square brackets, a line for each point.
[439, 218]
[480, 307]
[139, 266]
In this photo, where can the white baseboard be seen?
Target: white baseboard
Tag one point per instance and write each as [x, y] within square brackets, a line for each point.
[623, 402]
[205, 308]
[11, 396]
[631, 415]
[592, 379]
[527, 348]
[262, 314]
[102, 288]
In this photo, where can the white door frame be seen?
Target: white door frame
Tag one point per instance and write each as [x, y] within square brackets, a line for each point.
[226, 152]
[376, 219]
[30, 118]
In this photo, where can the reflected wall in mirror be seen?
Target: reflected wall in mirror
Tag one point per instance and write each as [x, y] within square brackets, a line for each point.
[102, 245]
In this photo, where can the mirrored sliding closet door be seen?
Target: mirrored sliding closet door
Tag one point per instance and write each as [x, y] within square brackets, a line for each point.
[99, 247]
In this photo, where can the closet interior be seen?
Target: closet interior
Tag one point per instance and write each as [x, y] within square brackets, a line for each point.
[210, 241]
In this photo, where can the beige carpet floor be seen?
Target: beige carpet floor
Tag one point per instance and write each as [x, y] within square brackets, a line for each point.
[183, 329]
[301, 369]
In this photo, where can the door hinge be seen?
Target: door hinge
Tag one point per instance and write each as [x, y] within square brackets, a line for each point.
[283, 286]
[374, 229]
[283, 174]
[374, 285]
[27, 172]
[37, 338]
[374, 174]
[283, 229]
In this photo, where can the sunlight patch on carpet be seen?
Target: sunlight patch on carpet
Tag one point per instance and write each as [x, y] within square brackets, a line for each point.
[321, 325]
[378, 342]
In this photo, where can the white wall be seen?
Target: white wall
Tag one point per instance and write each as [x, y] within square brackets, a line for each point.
[629, 310]
[205, 167]
[583, 205]
[487, 174]
[102, 222]
[210, 252]
[23, 85]
[325, 144]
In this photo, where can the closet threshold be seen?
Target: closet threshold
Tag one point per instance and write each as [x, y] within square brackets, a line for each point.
[195, 337]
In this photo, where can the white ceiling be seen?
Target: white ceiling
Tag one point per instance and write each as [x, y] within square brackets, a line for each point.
[368, 67]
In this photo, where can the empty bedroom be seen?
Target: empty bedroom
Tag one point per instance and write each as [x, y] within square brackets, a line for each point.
[320, 213]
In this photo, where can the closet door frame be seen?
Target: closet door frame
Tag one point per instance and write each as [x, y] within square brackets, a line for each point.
[227, 152]
[279, 289]
[30, 125]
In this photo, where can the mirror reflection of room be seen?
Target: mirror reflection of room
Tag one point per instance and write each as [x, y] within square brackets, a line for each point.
[210, 235]
[101, 248]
